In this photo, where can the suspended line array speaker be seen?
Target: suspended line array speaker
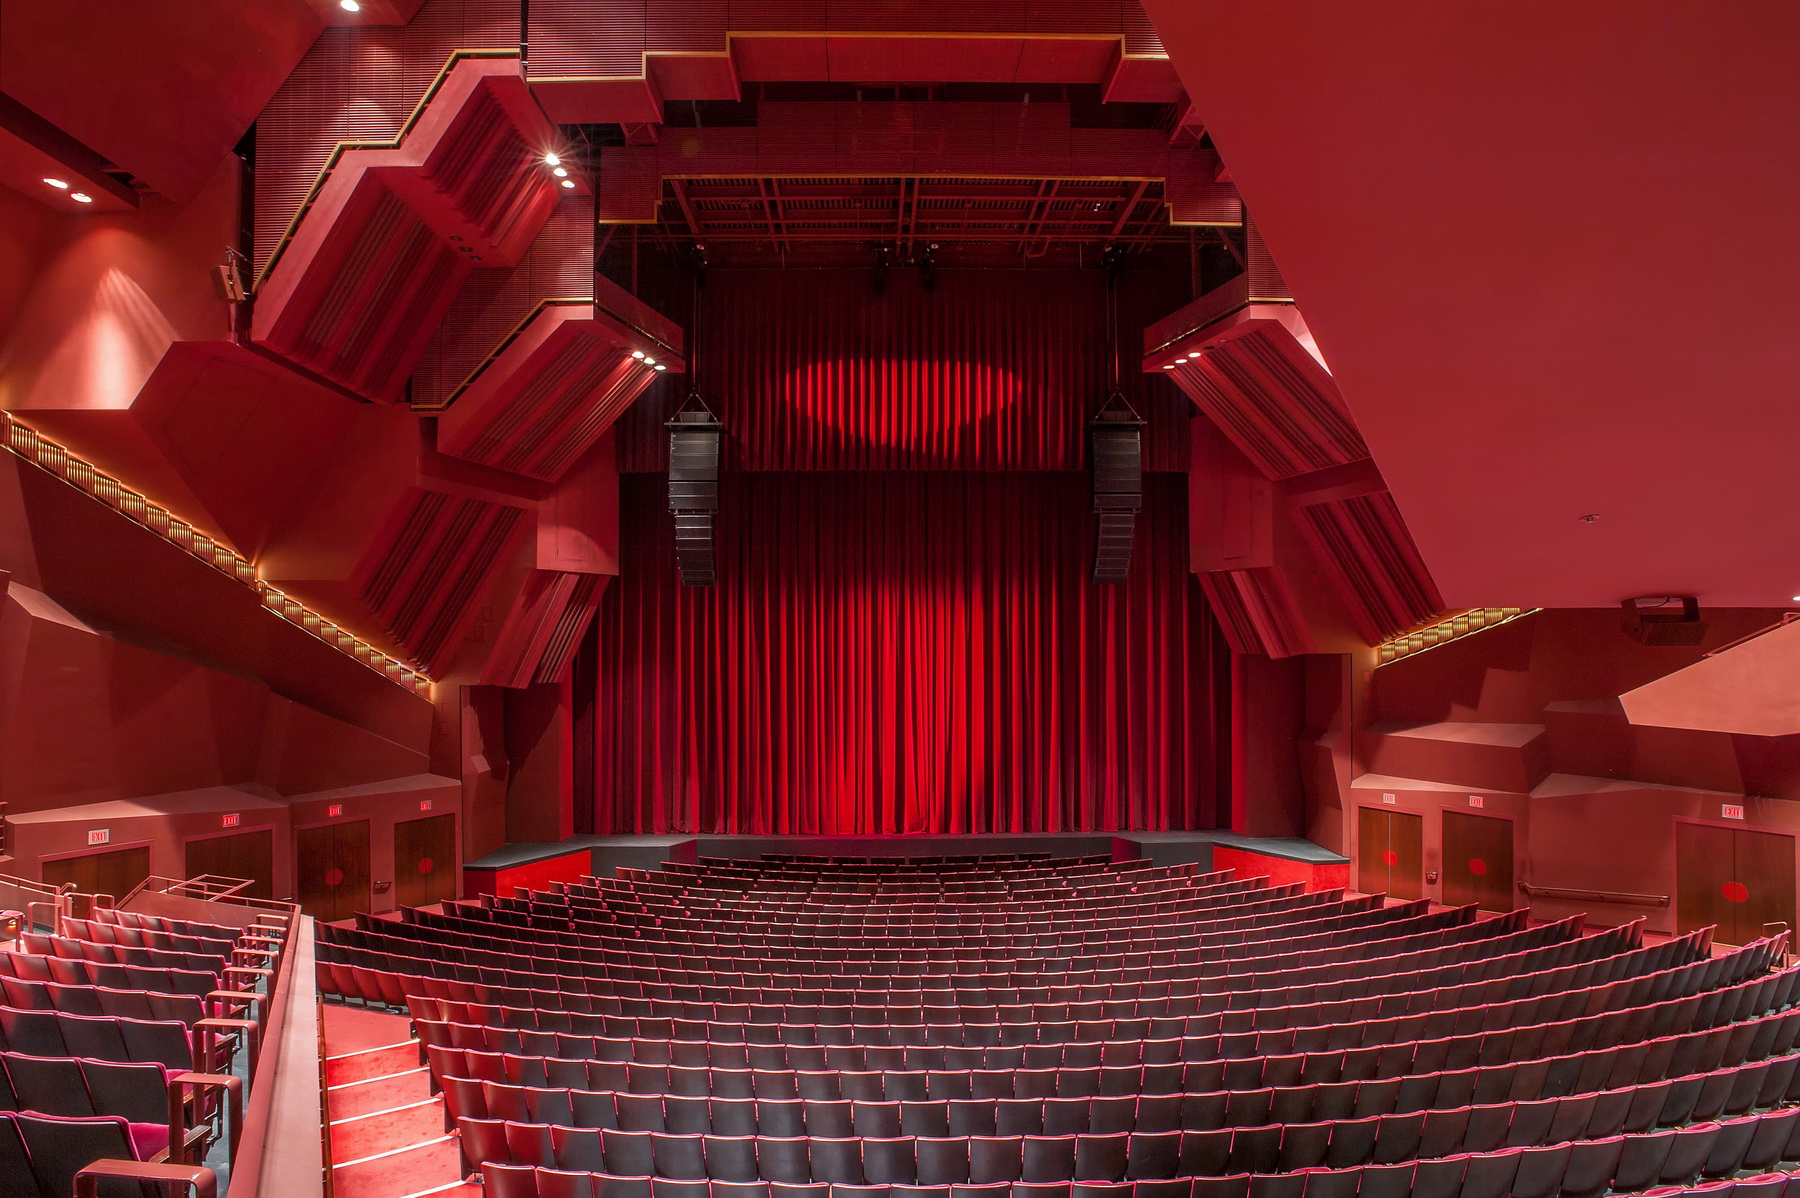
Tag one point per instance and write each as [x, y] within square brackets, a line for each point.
[695, 440]
[1116, 437]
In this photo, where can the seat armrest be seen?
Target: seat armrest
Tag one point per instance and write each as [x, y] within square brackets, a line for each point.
[238, 1000]
[239, 973]
[181, 1084]
[208, 1032]
[173, 1180]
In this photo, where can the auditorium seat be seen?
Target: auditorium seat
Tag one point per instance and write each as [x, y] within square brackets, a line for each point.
[1042, 1029]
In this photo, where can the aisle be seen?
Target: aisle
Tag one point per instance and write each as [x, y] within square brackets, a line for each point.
[387, 1129]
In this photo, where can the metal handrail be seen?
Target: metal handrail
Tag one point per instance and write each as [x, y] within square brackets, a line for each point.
[1594, 896]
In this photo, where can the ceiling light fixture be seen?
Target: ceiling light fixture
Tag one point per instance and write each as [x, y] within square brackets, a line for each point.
[637, 353]
[57, 183]
[552, 160]
[81, 197]
[662, 367]
[349, 5]
[1195, 354]
[560, 173]
[568, 183]
[648, 361]
[1169, 366]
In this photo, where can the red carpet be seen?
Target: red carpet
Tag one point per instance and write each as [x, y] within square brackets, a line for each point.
[387, 1130]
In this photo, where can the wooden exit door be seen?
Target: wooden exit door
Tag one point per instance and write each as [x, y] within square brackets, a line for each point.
[1478, 861]
[243, 855]
[331, 871]
[1390, 854]
[425, 860]
[1735, 878]
[116, 873]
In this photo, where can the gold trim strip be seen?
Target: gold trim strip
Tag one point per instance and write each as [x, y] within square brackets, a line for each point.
[27, 443]
[1453, 628]
[538, 308]
[343, 147]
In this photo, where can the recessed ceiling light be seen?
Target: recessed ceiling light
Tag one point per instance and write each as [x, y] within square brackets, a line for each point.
[1195, 354]
[637, 353]
[648, 361]
[81, 197]
[560, 173]
[1170, 366]
[552, 160]
[1797, 598]
[568, 183]
[57, 183]
[349, 5]
[662, 367]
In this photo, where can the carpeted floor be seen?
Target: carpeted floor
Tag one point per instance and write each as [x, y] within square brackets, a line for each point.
[387, 1129]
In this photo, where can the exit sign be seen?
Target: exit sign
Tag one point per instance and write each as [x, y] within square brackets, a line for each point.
[1474, 800]
[1388, 798]
[424, 804]
[99, 835]
[1731, 811]
[333, 811]
[229, 820]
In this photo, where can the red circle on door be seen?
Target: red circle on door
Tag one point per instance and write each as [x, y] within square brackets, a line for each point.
[424, 865]
[1736, 892]
[1477, 865]
[1390, 857]
[333, 876]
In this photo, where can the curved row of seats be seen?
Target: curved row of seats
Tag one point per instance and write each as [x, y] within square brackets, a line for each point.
[767, 1030]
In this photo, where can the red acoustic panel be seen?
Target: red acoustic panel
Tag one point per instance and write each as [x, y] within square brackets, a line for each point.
[426, 578]
[545, 625]
[1260, 384]
[493, 304]
[358, 84]
[1257, 611]
[382, 280]
[560, 383]
[388, 236]
[1364, 548]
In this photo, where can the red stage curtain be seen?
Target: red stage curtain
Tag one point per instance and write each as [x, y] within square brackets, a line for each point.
[992, 370]
[906, 652]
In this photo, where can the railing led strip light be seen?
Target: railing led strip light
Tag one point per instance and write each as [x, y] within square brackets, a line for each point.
[1454, 628]
[27, 443]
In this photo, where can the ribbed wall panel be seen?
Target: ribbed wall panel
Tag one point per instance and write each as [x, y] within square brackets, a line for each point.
[994, 370]
[1365, 549]
[426, 579]
[359, 83]
[1274, 401]
[492, 303]
[548, 618]
[1263, 276]
[1257, 612]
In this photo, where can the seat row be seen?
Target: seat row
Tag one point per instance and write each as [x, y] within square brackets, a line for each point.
[1495, 1175]
[1163, 925]
[1716, 1071]
[1492, 940]
[1668, 970]
[1625, 1161]
[1111, 948]
[1392, 1045]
